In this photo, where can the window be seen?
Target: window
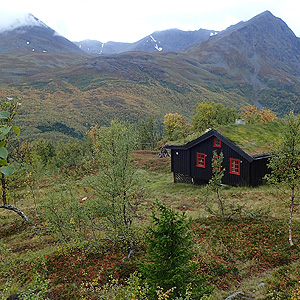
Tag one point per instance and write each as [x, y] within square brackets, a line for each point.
[200, 160]
[217, 142]
[235, 166]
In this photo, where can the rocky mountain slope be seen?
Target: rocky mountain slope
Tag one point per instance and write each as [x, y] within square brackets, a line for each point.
[259, 51]
[262, 52]
[29, 47]
[166, 40]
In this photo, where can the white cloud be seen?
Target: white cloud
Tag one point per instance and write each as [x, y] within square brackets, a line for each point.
[131, 20]
[10, 20]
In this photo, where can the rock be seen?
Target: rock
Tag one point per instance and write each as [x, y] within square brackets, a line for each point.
[237, 296]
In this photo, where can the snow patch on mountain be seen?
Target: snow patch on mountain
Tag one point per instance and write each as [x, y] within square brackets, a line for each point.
[155, 41]
[13, 20]
[101, 48]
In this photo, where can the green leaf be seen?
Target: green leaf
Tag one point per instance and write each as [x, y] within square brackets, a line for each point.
[5, 130]
[2, 144]
[3, 162]
[16, 129]
[7, 170]
[3, 153]
[4, 114]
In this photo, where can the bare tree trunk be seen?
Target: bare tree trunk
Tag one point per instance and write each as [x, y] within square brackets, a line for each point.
[7, 206]
[16, 210]
[291, 216]
[221, 203]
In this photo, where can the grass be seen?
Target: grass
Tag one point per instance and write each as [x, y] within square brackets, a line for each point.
[252, 138]
[249, 252]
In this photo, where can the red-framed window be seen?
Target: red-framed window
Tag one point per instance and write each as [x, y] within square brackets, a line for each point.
[235, 166]
[217, 142]
[200, 160]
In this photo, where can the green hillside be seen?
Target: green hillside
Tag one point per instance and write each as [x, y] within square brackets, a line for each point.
[72, 99]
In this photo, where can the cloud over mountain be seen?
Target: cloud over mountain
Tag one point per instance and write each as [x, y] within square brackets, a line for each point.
[13, 20]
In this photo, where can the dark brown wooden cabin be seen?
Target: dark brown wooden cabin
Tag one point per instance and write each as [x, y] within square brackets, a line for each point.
[192, 163]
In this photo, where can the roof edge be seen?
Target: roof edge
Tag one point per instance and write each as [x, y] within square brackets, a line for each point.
[207, 135]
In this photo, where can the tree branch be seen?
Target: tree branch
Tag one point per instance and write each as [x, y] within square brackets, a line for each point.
[16, 210]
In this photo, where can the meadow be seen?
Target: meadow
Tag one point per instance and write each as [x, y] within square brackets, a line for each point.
[248, 251]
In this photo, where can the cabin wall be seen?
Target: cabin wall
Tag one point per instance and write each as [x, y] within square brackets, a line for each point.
[259, 169]
[180, 161]
[245, 167]
[201, 175]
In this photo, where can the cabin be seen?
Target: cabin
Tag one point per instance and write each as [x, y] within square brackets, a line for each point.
[192, 163]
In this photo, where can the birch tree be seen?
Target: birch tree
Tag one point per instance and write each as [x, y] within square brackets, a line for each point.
[285, 166]
[8, 110]
[117, 185]
[175, 126]
[215, 183]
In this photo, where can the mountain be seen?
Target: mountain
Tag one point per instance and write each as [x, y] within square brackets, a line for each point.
[263, 52]
[96, 47]
[31, 34]
[259, 51]
[252, 62]
[166, 40]
[29, 47]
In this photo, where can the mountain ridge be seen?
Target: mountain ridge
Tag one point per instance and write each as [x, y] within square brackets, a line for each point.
[27, 26]
[165, 40]
[263, 38]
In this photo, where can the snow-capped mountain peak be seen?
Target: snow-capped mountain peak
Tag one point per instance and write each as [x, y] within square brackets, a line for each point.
[25, 32]
[11, 21]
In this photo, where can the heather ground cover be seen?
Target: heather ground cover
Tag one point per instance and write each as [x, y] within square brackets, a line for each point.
[237, 250]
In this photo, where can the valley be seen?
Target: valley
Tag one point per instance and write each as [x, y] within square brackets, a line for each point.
[253, 62]
[87, 179]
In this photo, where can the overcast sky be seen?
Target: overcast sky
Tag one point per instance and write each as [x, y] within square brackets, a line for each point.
[131, 20]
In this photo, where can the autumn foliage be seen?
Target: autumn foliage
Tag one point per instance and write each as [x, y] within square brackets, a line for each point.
[175, 126]
[252, 114]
